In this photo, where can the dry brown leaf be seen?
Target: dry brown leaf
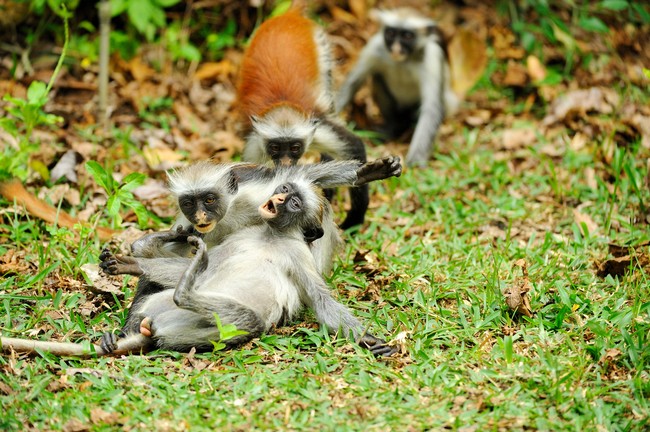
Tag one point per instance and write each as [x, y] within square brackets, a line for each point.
[536, 70]
[99, 416]
[217, 71]
[581, 218]
[517, 295]
[516, 75]
[189, 121]
[140, 70]
[505, 43]
[159, 156]
[601, 100]
[518, 138]
[478, 117]
[467, 60]
[102, 284]
[359, 8]
[342, 15]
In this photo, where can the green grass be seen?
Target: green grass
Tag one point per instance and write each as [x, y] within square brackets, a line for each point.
[443, 242]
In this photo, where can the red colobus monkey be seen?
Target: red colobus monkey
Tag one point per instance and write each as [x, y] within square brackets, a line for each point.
[285, 98]
[410, 78]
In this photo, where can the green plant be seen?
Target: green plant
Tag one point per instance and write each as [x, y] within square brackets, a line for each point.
[226, 332]
[147, 16]
[119, 194]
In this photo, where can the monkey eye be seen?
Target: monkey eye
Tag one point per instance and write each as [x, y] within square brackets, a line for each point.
[285, 188]
[295, 203]
[274, 148]
[186, 203]
[407, 35]
[389, 32]
[295, 147]
[210, 199]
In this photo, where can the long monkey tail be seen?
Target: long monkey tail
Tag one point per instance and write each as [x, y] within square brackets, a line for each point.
[13, 190]
[69, 349]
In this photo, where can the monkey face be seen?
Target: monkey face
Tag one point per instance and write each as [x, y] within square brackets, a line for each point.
[285, 152]
[400, 43]
[204, 209]
[285, 208]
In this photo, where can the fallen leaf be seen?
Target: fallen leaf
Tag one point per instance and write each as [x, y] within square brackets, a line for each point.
[101, 284]
[516, 75]
[189, 121]
[217, 71]
[517, 295]
[518, 138]
[535, 68]
[600, 100]
[467, 60]
[581, 218]
[100, 417]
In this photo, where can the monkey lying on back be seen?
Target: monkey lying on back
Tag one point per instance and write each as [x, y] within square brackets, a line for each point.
[252, 180]
[259, 277]
[410, 78]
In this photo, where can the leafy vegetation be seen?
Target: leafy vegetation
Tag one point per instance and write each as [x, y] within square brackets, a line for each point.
[520, 194]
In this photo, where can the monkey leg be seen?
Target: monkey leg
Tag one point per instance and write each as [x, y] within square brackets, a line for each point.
[119, 264]
[198, 264]
[359, 200]
[182, 329]
[379, 169]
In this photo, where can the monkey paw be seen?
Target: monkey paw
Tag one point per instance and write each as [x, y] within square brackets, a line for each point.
[197, 243]
[379, 169]
[119, 264]
[377, 346]
[108, 342]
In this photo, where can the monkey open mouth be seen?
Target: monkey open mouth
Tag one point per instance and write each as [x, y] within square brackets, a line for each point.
[268, 210]
[205, 227]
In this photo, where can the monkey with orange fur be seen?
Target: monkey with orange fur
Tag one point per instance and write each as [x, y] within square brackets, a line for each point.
[285, 98]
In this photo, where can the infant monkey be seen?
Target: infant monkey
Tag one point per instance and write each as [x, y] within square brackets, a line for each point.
[260, 276]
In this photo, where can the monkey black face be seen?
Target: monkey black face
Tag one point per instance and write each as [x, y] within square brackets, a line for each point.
[204, 209]
[285, 152]
[401, 43]
[284, 208]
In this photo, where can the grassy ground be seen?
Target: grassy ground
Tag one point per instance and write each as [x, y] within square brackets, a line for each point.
[435, 275]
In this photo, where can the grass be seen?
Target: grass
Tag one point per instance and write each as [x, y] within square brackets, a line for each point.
[442, 242]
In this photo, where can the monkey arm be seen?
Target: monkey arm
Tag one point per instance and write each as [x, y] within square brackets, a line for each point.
[164, 271]
[365, 64]
[432, 108]
[172, 243]
[379, 169]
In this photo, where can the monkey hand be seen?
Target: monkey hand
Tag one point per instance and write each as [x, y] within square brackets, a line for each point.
[377, 346]
[379, 169]
[119, 264]
[109, 342]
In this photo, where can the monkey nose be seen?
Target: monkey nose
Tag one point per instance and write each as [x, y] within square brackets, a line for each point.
[285, 161]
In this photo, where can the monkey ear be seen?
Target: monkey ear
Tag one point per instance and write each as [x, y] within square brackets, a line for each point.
[314, 122]
[233, 184]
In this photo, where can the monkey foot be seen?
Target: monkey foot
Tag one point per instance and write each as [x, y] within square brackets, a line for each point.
[377, 346]
[145, 327]
[118, 264]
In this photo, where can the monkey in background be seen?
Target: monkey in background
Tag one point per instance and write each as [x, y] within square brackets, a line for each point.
[411, 80]
[285, 98]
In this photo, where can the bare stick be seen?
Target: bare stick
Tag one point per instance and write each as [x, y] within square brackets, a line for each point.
[104, 51]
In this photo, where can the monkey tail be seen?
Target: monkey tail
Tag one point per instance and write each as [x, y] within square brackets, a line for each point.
[57, 348]
[13, 190]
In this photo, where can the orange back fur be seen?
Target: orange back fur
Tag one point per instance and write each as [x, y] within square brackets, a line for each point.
[280, 67]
